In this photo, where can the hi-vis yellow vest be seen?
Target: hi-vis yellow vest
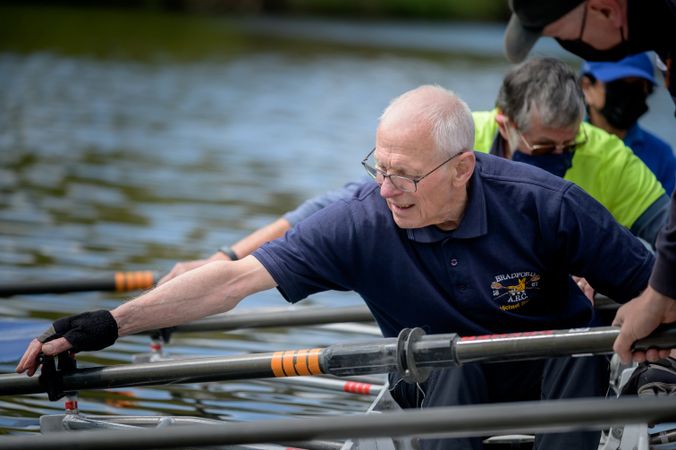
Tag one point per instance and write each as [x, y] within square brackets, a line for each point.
[604, 167]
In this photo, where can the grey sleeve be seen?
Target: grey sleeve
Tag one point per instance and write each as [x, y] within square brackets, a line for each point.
[652, 220]
[311, 206]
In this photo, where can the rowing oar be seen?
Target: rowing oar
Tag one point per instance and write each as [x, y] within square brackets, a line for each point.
[286, 318]
[458, 421]
[119, 281]
[412, 354]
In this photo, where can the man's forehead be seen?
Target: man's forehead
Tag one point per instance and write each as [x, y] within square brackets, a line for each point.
[401, 159]
[535, 124]
[554, 135]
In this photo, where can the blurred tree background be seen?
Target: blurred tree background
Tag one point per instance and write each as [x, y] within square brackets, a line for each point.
[476, 10]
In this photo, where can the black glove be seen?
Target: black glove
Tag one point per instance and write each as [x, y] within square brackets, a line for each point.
[94, 330]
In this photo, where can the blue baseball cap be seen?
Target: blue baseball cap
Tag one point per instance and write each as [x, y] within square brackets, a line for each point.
[638, 65]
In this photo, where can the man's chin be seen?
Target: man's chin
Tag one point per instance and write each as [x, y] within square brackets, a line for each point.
[403, 222]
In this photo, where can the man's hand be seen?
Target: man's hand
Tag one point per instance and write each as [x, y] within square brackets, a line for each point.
[87, 331]
[585, 287]
[30, 360]
[186, 266]
[637, 319]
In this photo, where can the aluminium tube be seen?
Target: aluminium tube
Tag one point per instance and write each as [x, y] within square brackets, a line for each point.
[118, 281]
[458, 421]
[406, 354]
[298, 317]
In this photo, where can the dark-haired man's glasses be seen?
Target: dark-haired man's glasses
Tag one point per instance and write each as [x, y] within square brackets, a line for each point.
[403, 183]
[544, 149]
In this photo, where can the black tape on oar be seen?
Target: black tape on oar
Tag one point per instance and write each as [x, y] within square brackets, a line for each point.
[51, 376]
[406, 364]
[163, 334]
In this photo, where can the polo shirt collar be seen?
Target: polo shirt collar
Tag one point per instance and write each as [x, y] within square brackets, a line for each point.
[473, 224]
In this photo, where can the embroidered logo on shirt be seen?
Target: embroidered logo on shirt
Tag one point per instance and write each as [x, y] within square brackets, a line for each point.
[511, 291]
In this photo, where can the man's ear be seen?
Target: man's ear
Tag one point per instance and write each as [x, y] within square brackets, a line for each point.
[464, 168]
[612, 10]
[586, 85]
[502, 121]
[590, 90]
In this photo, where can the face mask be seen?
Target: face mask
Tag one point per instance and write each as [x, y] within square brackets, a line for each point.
[625, 103]
[556, 164]
[589, 53]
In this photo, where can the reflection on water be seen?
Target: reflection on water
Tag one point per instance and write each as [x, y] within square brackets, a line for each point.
[110, 164]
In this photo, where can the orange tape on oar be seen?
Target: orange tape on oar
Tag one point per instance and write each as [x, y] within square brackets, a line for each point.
[131, 281]
[296, 363]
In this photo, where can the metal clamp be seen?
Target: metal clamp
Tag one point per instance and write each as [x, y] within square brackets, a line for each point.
[406, 364]
[51, 375]
[163, 334]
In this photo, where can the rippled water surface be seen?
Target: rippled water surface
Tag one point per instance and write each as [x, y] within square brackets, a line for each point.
[117, 163]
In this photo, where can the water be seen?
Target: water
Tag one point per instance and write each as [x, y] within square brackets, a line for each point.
[121, 163]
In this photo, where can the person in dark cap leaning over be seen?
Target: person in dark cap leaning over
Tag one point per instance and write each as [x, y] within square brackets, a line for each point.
[602, 30]
[615, 93]
[596, 30]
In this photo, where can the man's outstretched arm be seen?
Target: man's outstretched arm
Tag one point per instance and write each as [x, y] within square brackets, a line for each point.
[213, 288]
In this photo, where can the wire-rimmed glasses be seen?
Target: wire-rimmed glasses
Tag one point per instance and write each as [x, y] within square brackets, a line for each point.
[401, 182]
[544, 149]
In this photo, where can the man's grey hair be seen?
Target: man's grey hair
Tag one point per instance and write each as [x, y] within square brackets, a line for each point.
[449, 117]
[544, 86]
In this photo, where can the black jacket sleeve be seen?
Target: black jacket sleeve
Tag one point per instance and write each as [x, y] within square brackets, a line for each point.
[663, 278]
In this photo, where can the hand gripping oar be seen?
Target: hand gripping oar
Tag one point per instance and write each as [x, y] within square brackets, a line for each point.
[412, 354]
[119, 281]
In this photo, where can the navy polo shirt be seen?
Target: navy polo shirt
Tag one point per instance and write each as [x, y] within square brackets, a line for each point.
[504, 269]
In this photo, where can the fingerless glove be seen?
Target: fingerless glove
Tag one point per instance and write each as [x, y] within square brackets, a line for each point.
[94, 330]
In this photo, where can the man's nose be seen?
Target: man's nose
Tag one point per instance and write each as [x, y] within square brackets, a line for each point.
[388, 189]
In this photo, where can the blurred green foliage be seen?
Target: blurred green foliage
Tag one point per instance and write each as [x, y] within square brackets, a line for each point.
[155, 30]
[117, 33]
[475, 10]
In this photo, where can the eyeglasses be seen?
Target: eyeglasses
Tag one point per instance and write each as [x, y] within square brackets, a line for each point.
[405, 184]
[544, 149]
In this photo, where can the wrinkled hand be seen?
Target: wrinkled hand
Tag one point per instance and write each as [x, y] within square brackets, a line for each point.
[93, 330]
[30, 360]
[637, 319]
[186, 266]
[585, 287]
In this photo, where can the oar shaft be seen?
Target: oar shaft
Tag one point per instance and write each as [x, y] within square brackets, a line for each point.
[119, 281]
[464, 421]
[164, 372]
[550, 343]
[298, 317]
[406, 354]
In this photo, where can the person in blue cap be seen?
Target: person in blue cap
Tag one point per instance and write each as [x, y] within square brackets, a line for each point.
[616, 94]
